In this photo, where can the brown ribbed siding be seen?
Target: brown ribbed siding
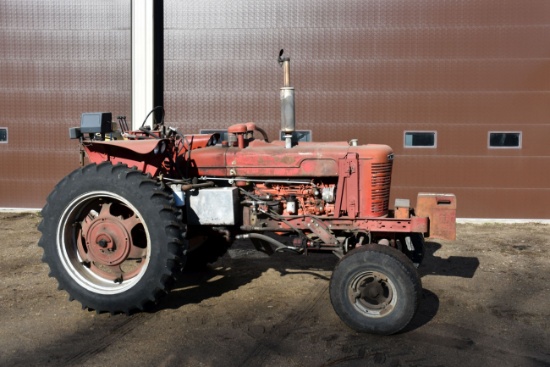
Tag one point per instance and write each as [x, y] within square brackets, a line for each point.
[369, 69]
[57, 60]
[374, 69]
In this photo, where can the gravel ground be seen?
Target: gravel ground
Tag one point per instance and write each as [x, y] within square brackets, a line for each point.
[486, 302]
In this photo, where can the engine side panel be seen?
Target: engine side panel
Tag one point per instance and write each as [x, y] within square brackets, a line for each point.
[360, 176]
[272, 160]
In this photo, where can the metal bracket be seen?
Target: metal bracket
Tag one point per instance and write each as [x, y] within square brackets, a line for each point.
[322, 230]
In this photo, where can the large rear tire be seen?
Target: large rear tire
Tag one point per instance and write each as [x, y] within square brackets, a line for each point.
[111, 238]
[375, 289]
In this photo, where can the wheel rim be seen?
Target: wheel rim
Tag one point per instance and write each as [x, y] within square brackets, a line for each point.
[373, 294]
[103, 243]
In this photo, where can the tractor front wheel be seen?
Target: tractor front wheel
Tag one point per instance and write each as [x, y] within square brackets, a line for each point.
[111, 238]
[375, 289]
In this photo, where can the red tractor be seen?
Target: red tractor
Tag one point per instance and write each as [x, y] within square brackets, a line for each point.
[116, 231]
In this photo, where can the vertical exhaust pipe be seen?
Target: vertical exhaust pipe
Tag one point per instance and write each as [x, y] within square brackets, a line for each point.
[288, 120]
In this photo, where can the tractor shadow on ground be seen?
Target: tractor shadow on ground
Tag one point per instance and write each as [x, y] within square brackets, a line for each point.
[455, 266]
[427, 310]
[242, 265]
[238, 268]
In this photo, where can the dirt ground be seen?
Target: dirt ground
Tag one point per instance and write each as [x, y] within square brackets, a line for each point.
[486, 302]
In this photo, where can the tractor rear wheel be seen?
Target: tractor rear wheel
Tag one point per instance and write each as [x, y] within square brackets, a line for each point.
[375, 289]
[111, 238]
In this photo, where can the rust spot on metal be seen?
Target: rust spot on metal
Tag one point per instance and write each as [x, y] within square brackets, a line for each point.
[441, 211]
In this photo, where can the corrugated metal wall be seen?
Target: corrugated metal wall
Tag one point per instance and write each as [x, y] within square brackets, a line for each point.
[57, 60]
[372, 69]
[367, 69]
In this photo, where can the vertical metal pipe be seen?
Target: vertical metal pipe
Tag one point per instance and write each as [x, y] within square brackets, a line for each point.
[287, 110]
[286, 73]
[288, 117]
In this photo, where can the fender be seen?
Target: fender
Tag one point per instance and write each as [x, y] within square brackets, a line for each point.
[146, 155]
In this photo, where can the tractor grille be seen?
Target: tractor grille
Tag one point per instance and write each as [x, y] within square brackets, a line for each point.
[381, 183]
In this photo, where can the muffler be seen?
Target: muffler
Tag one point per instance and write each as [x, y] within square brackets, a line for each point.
[288, 117]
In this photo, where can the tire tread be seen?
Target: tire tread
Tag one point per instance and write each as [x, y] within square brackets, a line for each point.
[157, 201]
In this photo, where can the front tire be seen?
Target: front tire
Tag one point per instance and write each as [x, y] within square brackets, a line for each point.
[375, 289]
[111, 238]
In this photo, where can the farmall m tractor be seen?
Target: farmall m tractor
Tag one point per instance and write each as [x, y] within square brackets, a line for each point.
[151, 202]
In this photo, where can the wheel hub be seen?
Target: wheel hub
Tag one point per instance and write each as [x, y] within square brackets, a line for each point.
[107, 240]
[106, 244]
[375, 292]
[372, 293]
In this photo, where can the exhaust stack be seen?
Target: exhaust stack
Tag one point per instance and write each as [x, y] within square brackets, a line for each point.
[288, 120]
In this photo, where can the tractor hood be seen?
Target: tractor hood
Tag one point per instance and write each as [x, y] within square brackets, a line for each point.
[261, 159]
